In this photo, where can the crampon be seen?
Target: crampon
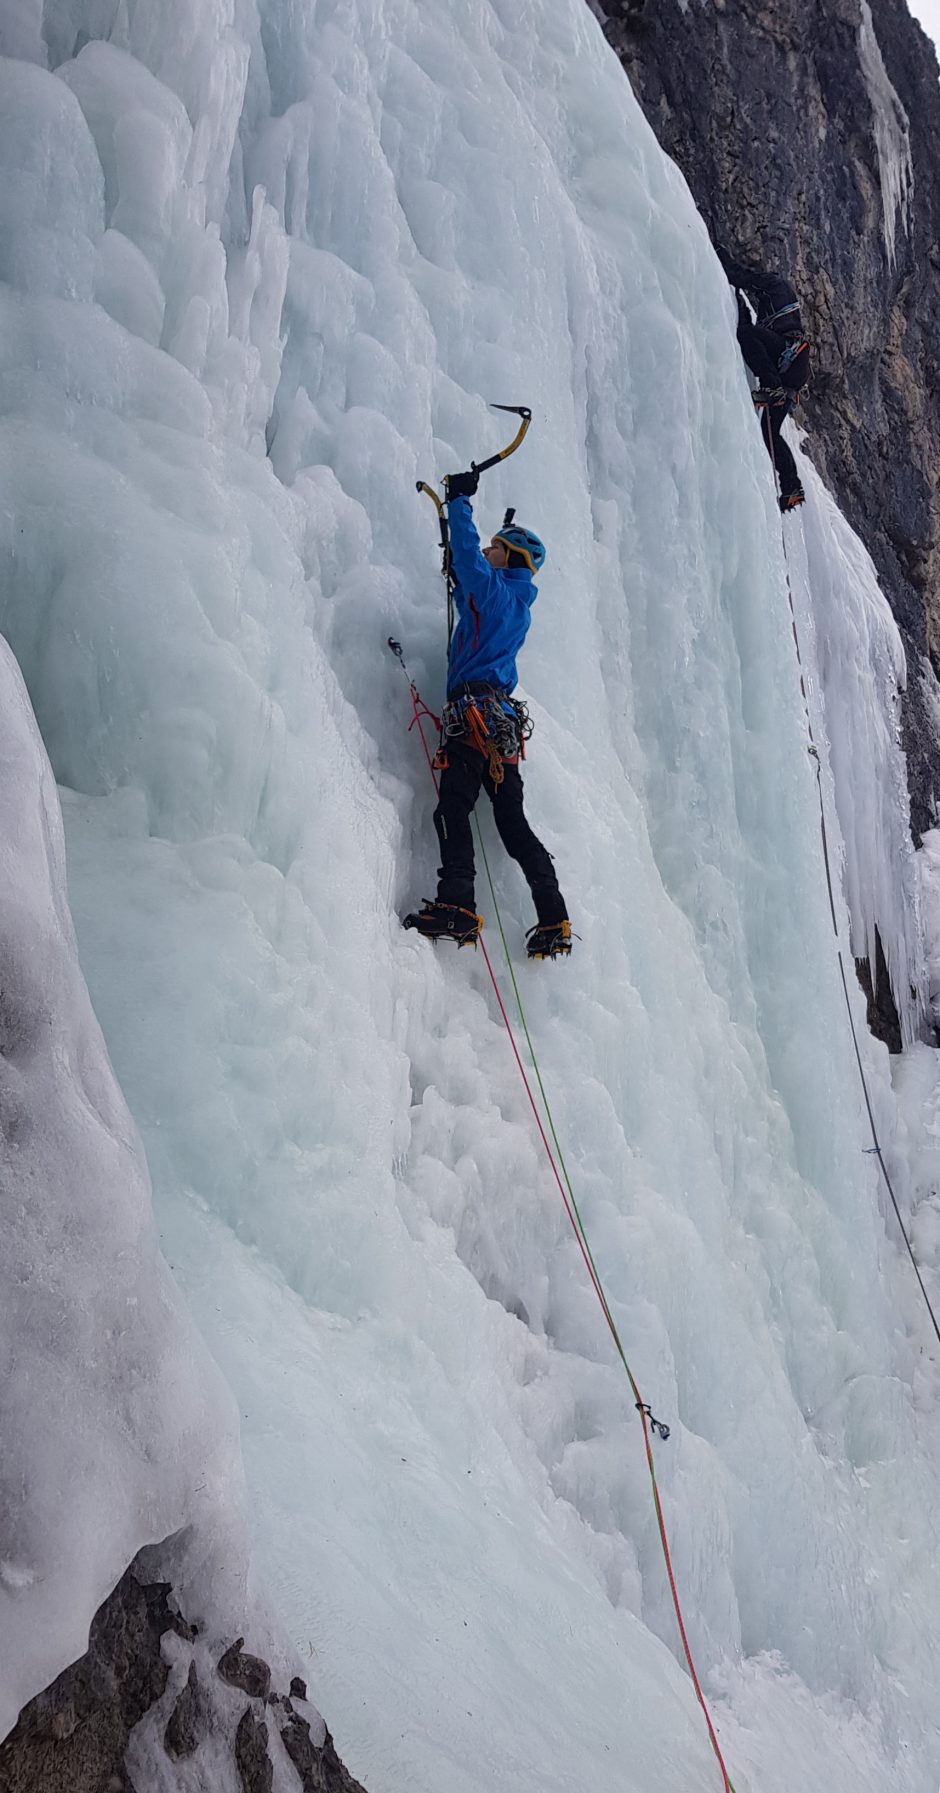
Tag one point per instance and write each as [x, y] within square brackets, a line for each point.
[549, 940]
[445, 921]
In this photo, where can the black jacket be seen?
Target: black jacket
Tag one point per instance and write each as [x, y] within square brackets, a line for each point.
[774, 299]
[773, 347]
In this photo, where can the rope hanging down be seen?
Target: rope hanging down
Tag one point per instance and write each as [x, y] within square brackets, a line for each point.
[814, 752]
[651, 1425]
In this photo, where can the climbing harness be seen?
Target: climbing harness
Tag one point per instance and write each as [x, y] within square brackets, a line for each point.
[524, 413]
[497, 725]
[777, 398]
[652, 1427]
[875, 1148]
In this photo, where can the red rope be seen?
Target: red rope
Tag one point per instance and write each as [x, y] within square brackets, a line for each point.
[641, 1405]
[420, 711]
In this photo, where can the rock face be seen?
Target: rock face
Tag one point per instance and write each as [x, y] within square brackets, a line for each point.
[185, 1724]
[73, 1738]
[809, 135]
[255, 1770]
[320, 1769]
[247, 1672]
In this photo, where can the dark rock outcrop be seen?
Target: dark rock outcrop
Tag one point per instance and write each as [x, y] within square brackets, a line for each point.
[255, 1769]
[319, 1768]
[247, 1672]
[773, 113]
[881, 1013]
[73, 1737]
[186, 1723]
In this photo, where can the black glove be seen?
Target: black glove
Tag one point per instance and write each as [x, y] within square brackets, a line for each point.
[769, 395]
[461, 485]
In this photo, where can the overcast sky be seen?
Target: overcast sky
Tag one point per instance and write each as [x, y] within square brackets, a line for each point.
[928, 12]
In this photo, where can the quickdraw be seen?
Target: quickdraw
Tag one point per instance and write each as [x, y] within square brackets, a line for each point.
[790, 354]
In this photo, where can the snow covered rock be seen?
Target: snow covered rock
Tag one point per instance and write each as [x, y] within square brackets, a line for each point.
[73, 1737]
[143, 1708]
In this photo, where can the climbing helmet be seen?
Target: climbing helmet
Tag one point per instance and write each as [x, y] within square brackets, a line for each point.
[522, 541]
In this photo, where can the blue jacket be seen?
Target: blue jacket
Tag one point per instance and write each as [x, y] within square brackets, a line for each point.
[493, 607]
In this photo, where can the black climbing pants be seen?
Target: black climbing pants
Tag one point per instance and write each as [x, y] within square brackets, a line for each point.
[771, 422]
[761, 349]
[466, 773]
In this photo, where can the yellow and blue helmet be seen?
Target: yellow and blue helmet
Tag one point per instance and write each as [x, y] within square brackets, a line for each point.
[522, 541]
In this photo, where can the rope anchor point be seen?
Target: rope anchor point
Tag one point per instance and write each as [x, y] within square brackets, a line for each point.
[656, 1425]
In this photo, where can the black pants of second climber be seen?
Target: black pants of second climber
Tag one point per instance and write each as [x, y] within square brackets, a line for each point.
[461, 782]
[772, 419]
[761, 349]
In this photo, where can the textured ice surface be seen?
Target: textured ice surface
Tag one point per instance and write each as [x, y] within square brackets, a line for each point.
[117, 1429]
[263, 273]
[855, 670]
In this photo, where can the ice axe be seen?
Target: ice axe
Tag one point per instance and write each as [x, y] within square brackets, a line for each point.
[521, 411]
[504, 453]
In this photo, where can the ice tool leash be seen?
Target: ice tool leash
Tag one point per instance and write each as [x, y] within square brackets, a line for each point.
[652, 1427]
[813, 751]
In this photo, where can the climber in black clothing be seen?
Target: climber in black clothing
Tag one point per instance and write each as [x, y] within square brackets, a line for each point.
[777, 354]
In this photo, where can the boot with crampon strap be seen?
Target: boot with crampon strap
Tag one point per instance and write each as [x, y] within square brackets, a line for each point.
[549, 940]
[445, 921]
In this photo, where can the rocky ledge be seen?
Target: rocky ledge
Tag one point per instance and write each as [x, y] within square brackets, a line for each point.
[147, 1683]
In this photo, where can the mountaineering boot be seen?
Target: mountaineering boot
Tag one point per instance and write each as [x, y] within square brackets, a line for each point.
[549, 940]
[445, 921]
[788, 501]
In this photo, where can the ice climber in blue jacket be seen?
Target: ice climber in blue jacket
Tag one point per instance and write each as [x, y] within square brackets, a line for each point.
[483, 730]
